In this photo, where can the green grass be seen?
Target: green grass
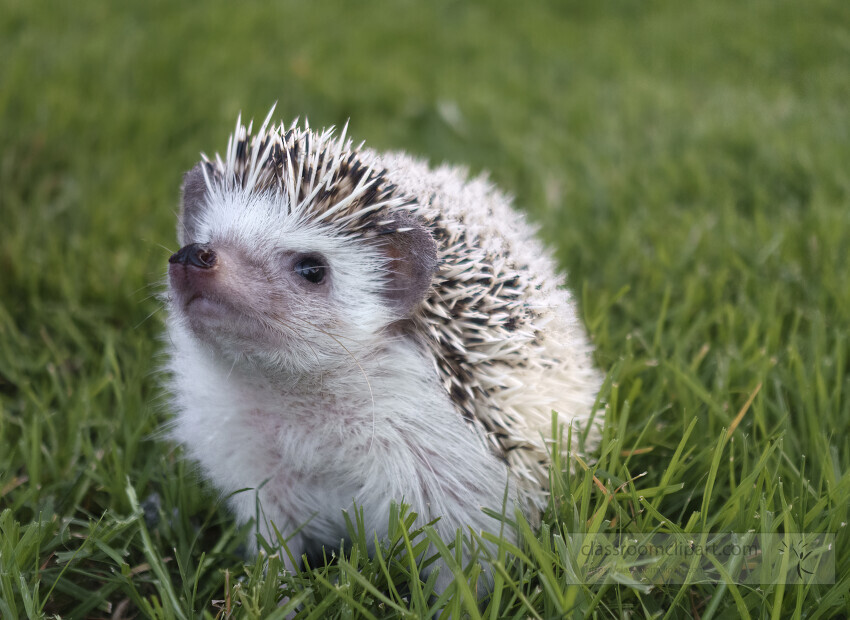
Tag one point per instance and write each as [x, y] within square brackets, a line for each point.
[689, 162]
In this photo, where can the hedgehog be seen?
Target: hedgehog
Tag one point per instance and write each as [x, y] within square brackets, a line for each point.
[349, 328]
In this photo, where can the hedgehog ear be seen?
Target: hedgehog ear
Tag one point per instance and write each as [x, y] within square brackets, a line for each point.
[192, 203]
[412, 259]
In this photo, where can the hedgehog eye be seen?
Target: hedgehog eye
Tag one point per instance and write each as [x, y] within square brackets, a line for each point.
[311, 269]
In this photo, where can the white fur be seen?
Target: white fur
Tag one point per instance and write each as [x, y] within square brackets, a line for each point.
[367, 433]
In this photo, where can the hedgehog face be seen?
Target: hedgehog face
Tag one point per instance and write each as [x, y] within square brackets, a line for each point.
[258, 279]
[253, 282]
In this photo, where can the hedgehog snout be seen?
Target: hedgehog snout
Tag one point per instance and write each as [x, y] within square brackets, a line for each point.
[195, 271]
[195, 254]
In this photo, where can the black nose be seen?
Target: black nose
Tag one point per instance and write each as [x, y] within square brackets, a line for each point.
[194, 254]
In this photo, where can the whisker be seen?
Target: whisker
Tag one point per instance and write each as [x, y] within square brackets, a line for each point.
[281, 322]
[148, 316]
[143, 287]
[181, 221]
[168, 250]
[232, 366]
[153, 295]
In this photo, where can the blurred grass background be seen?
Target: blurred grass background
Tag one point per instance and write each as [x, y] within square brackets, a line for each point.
[688, 162]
